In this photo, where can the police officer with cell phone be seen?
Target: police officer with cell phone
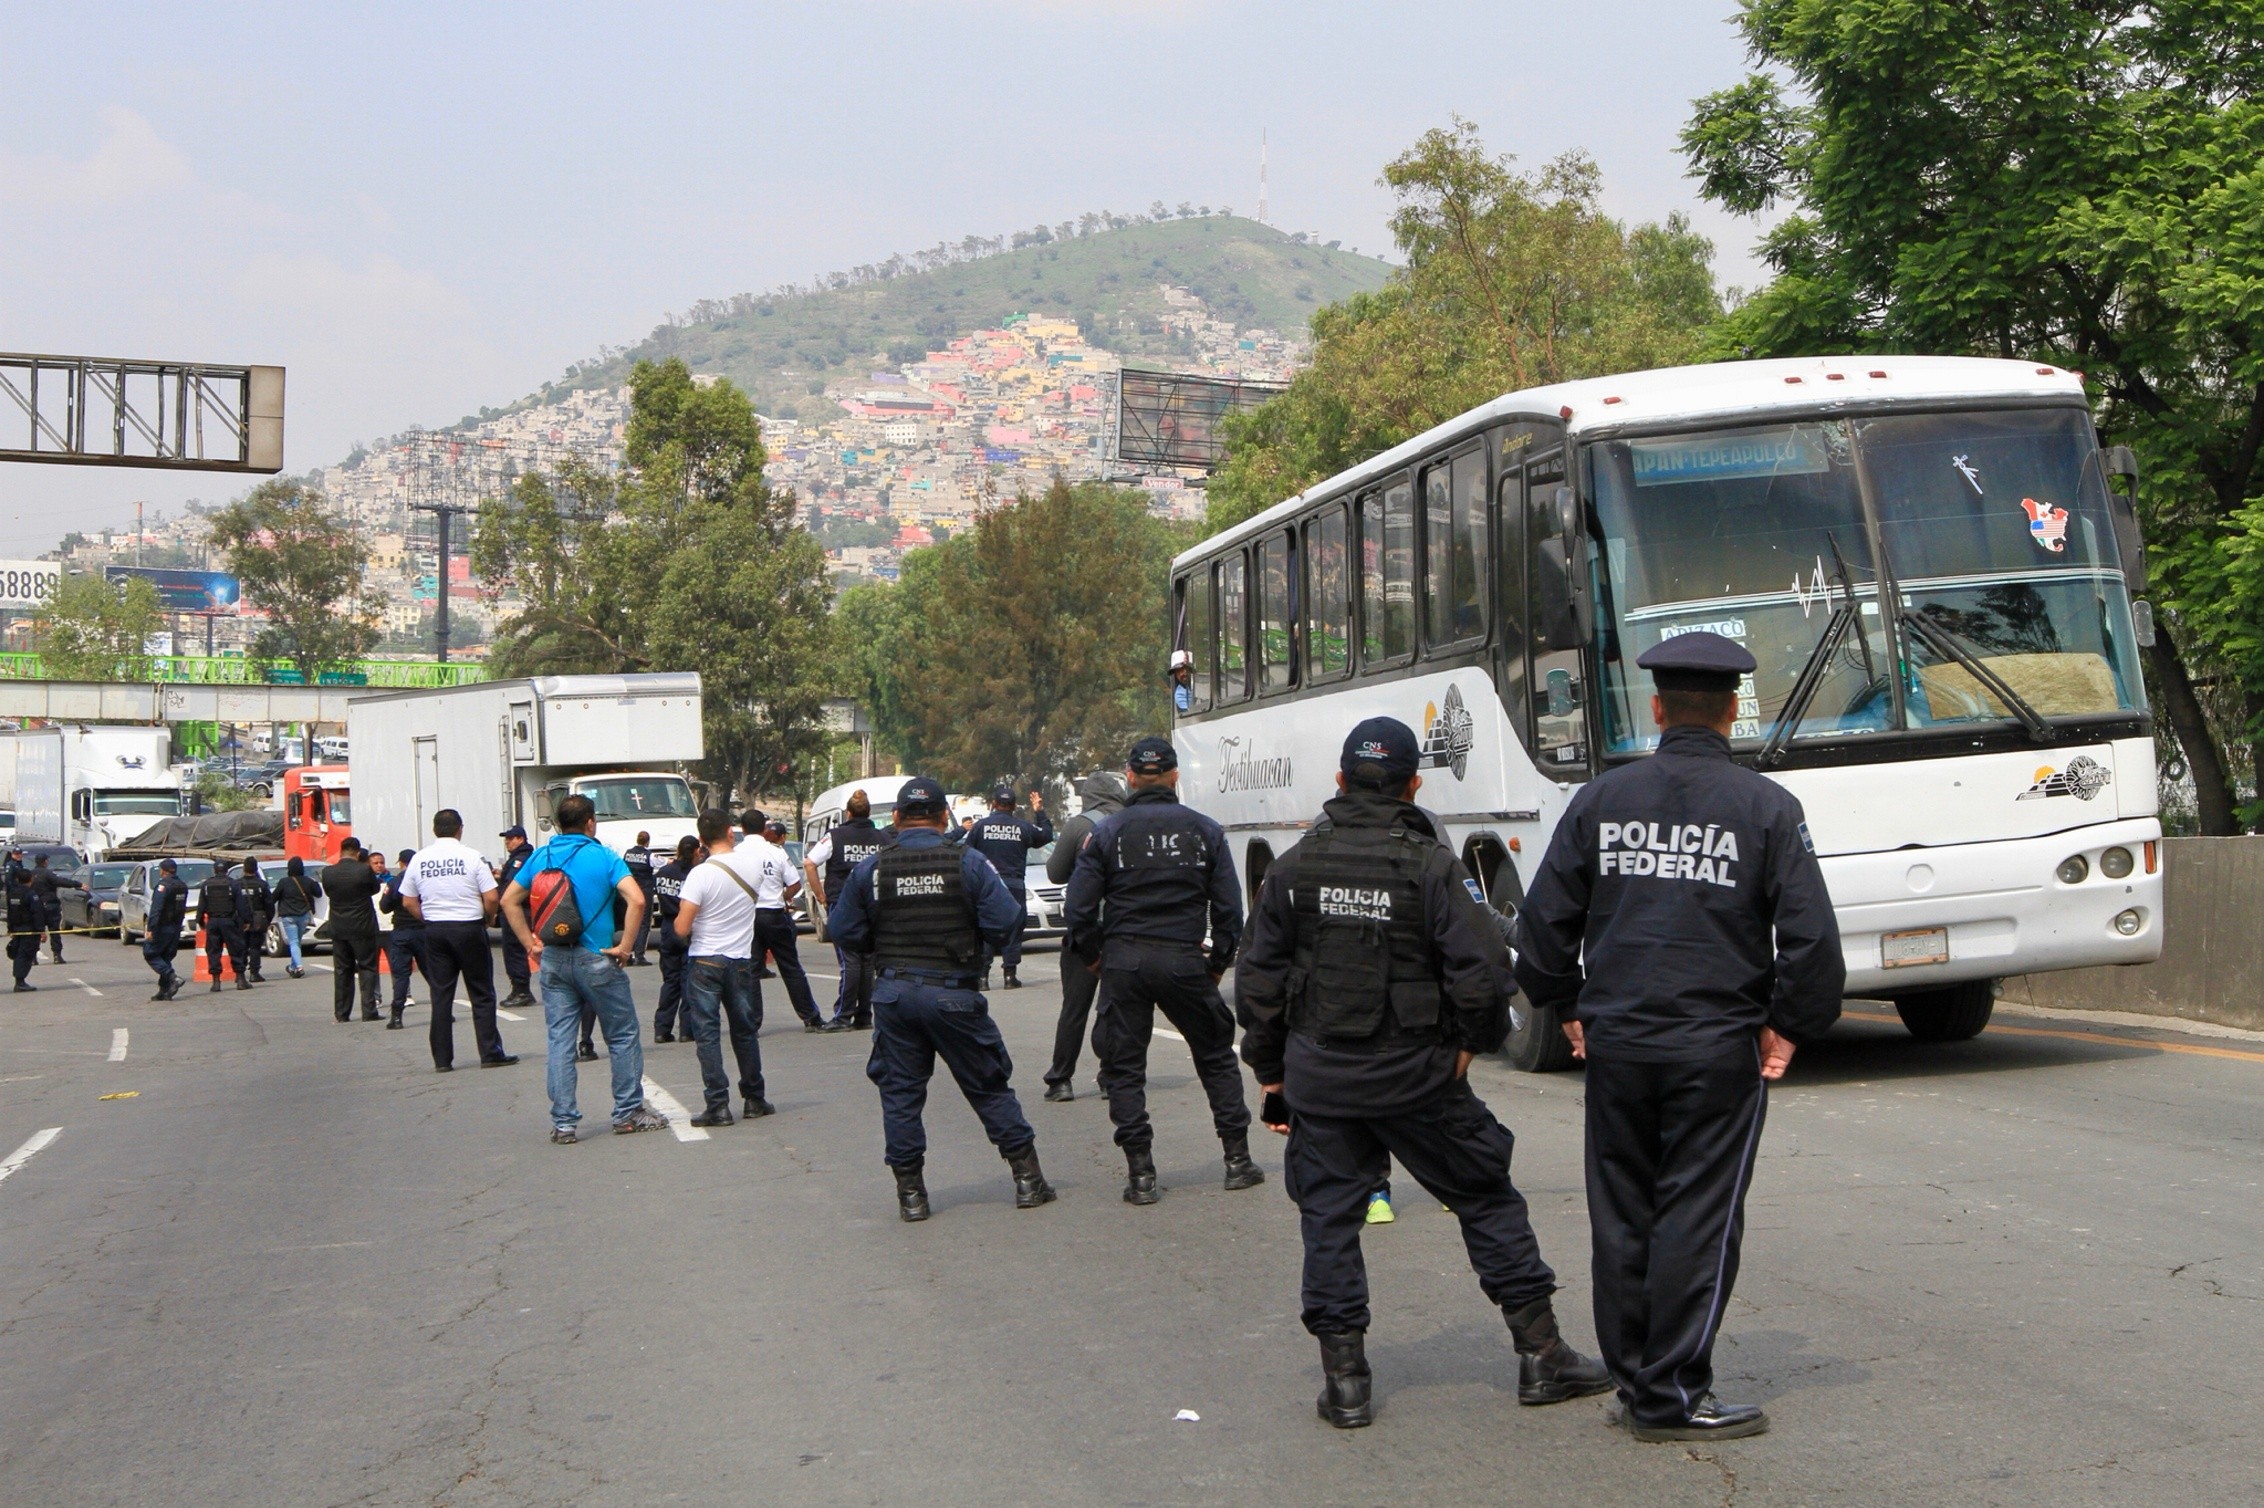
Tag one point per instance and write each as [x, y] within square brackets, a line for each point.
[1150, 882]
[1372, 975]
[1680, 927]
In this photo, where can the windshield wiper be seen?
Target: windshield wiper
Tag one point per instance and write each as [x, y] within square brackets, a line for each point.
[1949, 644]
[1812, 672]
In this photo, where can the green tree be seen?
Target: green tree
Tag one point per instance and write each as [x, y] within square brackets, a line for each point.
[302, 565]
[1030, 646]
[1511, 280]
[688, 561]
[2069, 181]
[91, 630]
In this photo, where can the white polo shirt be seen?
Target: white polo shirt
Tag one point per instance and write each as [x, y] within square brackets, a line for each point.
[725, 925]
[776, 871]
[449, 878]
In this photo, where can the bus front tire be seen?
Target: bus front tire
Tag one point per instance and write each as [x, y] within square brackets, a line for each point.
[1956, 1014]
[1537, 1044]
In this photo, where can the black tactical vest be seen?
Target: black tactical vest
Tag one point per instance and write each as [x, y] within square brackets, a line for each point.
[854, 842]
[1363, 942]
[923, 917]
[219, 899]
[23, 907]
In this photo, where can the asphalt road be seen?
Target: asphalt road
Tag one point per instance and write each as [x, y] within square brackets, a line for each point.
[298, 1267]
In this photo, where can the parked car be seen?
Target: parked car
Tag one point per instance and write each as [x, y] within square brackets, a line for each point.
[93, 909]
[1048, 903]
[133, 898]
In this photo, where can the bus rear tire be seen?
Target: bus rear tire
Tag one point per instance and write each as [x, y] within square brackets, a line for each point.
[1538, 1045]
[1956, 1014]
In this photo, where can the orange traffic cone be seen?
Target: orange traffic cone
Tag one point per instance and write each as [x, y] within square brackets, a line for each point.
[203, 973]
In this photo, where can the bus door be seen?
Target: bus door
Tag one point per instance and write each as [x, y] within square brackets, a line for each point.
[1556, 556]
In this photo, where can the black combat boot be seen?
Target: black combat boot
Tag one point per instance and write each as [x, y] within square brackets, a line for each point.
[911, 1193]
[1548, 1369]
[1344, 1380]
[1013, 980]
[1140, 1176]
[1030, 1186]
[1241, 1172]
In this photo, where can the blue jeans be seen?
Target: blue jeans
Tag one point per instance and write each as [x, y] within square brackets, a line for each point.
[292, 927]
[712, 982]
[571, 977]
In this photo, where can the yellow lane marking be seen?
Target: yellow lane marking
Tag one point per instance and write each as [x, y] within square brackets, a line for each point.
[2194, 1048]
[126, 1094]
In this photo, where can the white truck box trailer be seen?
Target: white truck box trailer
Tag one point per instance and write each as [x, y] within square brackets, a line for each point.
[92, 786]
[504, 753]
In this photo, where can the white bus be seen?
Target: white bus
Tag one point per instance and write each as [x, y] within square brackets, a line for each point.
[1990, 810]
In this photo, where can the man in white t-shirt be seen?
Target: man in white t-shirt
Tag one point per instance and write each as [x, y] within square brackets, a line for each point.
[450, 886]
[774, 923]
[715, 917]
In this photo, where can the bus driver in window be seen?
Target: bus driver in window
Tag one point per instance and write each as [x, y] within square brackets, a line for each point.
[1182, 680]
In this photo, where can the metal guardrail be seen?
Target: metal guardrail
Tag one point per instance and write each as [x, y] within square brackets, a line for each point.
[234, 670]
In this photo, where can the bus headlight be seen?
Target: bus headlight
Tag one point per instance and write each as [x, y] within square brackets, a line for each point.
[2115, 863]
[2128, 922]
[2074, 869]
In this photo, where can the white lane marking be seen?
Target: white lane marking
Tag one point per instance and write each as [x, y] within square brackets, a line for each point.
[327, 969]
[679, 1119]
[28, 1150]
[90, 989]
[1165, 1031]
[509, 1015]
[118, 1045]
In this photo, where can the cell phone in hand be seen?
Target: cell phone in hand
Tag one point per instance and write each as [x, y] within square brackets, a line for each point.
[1275, 1110]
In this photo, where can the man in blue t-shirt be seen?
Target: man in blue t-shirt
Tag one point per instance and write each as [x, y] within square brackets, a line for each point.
[588, 972]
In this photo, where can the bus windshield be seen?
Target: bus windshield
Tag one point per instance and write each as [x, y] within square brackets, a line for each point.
[645, 796]
[1994, 522]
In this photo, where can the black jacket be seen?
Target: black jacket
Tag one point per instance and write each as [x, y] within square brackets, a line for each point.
[1167, 876]
[168, 905]
[1104, 795]
[1006, 838]
[259, 896]
[394, 904]
[1467, 958]
[295, 895]
[1680, 909]
[353, 885]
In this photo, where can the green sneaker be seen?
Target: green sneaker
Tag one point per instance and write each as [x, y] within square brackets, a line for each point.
[1379, 1210]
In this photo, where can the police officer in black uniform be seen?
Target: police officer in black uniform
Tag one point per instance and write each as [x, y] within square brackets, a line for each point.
[517, 850]
[924, 909]
[168, 908]
[853, 840]
[404, 942]
[1163, 874]
[45, 882]
[27, 920]
[638, 856]
[221, 909]
[668, 895]
[1006, 839]
[259, 900]
[1680, 921]
[1372, 975]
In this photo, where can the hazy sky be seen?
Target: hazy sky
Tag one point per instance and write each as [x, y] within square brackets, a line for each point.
[420, 209]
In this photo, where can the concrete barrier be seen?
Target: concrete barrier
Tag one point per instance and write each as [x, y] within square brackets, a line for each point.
[2212, 964]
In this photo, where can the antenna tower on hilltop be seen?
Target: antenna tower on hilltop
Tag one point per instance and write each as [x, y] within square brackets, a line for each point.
[1262, 220]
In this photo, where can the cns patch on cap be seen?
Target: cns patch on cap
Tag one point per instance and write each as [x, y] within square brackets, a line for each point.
[919, 792]
[1152, 756]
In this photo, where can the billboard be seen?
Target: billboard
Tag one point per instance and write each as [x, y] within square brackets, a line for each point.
[27, 583]
[1172, 419]
[183, 591]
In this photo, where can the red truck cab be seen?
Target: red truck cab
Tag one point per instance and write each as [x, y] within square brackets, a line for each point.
[317, 812]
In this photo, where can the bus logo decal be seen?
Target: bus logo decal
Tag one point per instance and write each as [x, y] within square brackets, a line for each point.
[2047, 524]
[2083, 779]
[1449, 731]
[1241, 770]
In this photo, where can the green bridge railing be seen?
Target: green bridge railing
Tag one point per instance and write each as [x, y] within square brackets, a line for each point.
[234, 670]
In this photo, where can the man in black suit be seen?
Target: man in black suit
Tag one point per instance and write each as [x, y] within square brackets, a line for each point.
[353, 888]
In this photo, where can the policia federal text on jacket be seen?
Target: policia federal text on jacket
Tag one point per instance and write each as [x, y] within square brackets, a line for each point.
[1148, 883]
[1371, 977]
[1681, 919]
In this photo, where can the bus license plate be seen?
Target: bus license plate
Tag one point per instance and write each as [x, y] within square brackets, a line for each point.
[1898, 950]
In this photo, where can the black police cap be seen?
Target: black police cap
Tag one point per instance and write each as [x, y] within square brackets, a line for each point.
[1002, 793]
[1152, 756]
[920, 796]
[1381, 752]
[1700, 661]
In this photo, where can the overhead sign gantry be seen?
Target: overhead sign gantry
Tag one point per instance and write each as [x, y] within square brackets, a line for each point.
[170, 415]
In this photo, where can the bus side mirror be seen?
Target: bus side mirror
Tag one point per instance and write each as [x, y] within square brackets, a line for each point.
[1567, 611]
[2130, 542]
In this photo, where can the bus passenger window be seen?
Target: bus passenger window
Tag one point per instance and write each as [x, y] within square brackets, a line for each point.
[1328, 619]
[1438, 556]
[1277, 615]
[1201, 634]
[1468, 620]
[1234, 628]
[1372, 579]
[1399, 570]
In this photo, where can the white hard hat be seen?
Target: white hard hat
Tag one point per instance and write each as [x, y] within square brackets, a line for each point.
[1182, 659]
